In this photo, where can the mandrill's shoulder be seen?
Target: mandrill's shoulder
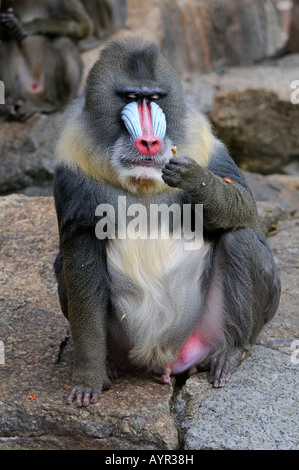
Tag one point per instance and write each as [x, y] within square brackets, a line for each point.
[199, 141]
[76, 197]
[207, 150]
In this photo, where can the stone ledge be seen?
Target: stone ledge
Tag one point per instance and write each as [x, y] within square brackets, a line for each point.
[137, 412]
[257, 410]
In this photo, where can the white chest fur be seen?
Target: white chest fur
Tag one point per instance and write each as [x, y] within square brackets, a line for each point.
[155, 286]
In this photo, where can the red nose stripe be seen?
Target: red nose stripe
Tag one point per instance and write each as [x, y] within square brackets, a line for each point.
[145, 117]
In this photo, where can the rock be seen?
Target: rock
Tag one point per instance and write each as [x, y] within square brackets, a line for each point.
[275, 201]
[134, 414]
[258, 408]
[269, 214]
[138, 412]
[272, 190]
[251, 111]
[26, 152]
[285, 180]
[200, 36]
[145, 20]
[283, 329]
[292, 44]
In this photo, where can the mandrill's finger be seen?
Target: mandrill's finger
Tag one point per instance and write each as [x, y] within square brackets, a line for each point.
[71, 397]
[86, 399]
[174, 161]
[79, 399]
[94, 397]
[182, 160]
[170, 181]
[166, 171]
[169, 166]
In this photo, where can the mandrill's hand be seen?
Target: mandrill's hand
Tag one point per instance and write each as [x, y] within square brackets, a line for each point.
[185, 173]
[226, 204]
[10, 27]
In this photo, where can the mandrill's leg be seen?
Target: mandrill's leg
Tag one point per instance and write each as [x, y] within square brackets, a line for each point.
[250, 292]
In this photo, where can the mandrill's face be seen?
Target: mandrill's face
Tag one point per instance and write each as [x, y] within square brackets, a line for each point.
[134, 113]
[145, 149]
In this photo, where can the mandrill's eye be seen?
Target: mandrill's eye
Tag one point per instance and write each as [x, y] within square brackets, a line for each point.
[131, 97]
[154, 97]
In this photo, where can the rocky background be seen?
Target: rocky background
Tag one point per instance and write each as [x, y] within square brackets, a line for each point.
[220, 49]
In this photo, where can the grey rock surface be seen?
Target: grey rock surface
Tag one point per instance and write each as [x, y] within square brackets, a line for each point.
[252, 110]
[27, 152]
[197, 36]
[259, 407]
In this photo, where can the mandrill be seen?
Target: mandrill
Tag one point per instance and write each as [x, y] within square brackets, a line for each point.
[148, 302]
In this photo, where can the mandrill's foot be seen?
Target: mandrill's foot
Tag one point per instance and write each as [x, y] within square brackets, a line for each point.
[85, 396]
[16, 111]
[223, 365]
[192, 371]
[165, 378]
[112, 369]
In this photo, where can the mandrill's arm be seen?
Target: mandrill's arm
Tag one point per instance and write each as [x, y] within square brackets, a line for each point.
[72, 21]
[10, 28]
[84, 281]
[227, 201]
[87, 314]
